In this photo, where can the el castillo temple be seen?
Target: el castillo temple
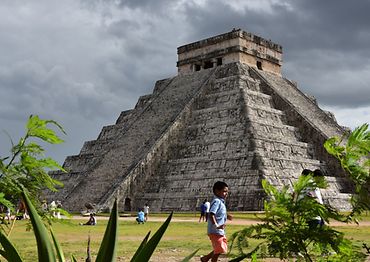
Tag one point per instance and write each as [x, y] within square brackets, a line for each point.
[227, 115]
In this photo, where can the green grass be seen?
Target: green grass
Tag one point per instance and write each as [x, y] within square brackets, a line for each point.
[180, 239]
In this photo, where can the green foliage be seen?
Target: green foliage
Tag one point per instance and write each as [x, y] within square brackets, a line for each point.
[58, 248]
[147, 249]
[9, 252]
[44, 245]
[26, 167]
[50, 250]
[285, 231]
[107, 251]
[353, 152]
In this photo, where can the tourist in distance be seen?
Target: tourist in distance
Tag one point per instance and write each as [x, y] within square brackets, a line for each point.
[203, 209]
[91, 221]
[146, 212]
[59, 206]
[140, 217]
[217, 222]
[208, 205]
[7, 215]
[316, 194]
[44, 206]
[53, 208]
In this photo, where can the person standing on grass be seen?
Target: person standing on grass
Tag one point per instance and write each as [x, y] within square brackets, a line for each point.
[217, 222]
[146, 211]
[7, 215]
[208, 205]
[203, 209]
[314, 193]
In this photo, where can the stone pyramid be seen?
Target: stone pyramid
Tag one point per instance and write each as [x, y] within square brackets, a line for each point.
[228, 115]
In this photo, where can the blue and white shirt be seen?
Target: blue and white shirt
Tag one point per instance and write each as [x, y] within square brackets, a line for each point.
[218, 208]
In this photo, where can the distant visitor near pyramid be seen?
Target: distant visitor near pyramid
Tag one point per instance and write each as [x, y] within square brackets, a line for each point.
[228, 115]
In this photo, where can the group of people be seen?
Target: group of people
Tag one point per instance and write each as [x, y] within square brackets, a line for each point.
[20, 213]
[142, 215]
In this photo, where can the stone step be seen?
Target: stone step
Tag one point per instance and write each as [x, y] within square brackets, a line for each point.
[285, 163]
[80, 163]
[217, 113]
[96, 147]
[217, 94]
[254, 98]
[109, 132]
[227, 84]
[278, 132]
[231, 97]
[202, 152]
[236, 135]
[214, 140]
[240, 175]
[233, 157]
[250, 84]
[211, 133]
[229, 146]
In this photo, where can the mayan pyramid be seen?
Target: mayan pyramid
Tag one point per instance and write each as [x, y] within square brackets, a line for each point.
[228, 115]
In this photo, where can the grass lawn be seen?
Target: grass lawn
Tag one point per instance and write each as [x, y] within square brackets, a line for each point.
[180, 239]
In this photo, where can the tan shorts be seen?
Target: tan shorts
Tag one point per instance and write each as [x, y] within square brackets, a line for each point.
[219, 243]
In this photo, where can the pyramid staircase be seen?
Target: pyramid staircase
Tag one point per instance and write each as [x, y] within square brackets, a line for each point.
[234, 133]
[230, 123]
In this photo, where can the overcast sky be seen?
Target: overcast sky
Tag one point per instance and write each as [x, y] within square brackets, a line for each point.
[83, 62]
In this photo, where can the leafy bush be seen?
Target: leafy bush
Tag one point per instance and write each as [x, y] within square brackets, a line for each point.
[353, 152]
[285, 231]
[26, 168]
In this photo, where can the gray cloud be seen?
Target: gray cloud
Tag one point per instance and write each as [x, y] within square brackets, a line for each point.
[81, 63]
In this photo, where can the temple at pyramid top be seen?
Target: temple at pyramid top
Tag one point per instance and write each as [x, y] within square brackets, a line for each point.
[234, 46]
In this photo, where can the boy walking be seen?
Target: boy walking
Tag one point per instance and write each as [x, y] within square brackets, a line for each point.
[217, 222]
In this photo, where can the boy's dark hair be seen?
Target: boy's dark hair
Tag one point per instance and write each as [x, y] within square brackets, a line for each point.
[317, 173]
[219, 185]
[306, 172]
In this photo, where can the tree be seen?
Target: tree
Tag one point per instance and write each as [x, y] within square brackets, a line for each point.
[26, 168]
[353, 152]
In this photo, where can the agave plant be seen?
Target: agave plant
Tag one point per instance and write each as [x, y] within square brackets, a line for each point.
[49, 249]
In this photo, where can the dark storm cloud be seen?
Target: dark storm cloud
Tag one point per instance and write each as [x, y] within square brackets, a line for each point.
[323, 41]
[337, 24]
[82, 62]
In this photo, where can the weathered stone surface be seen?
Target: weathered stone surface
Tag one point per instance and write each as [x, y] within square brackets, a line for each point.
[232, 122]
